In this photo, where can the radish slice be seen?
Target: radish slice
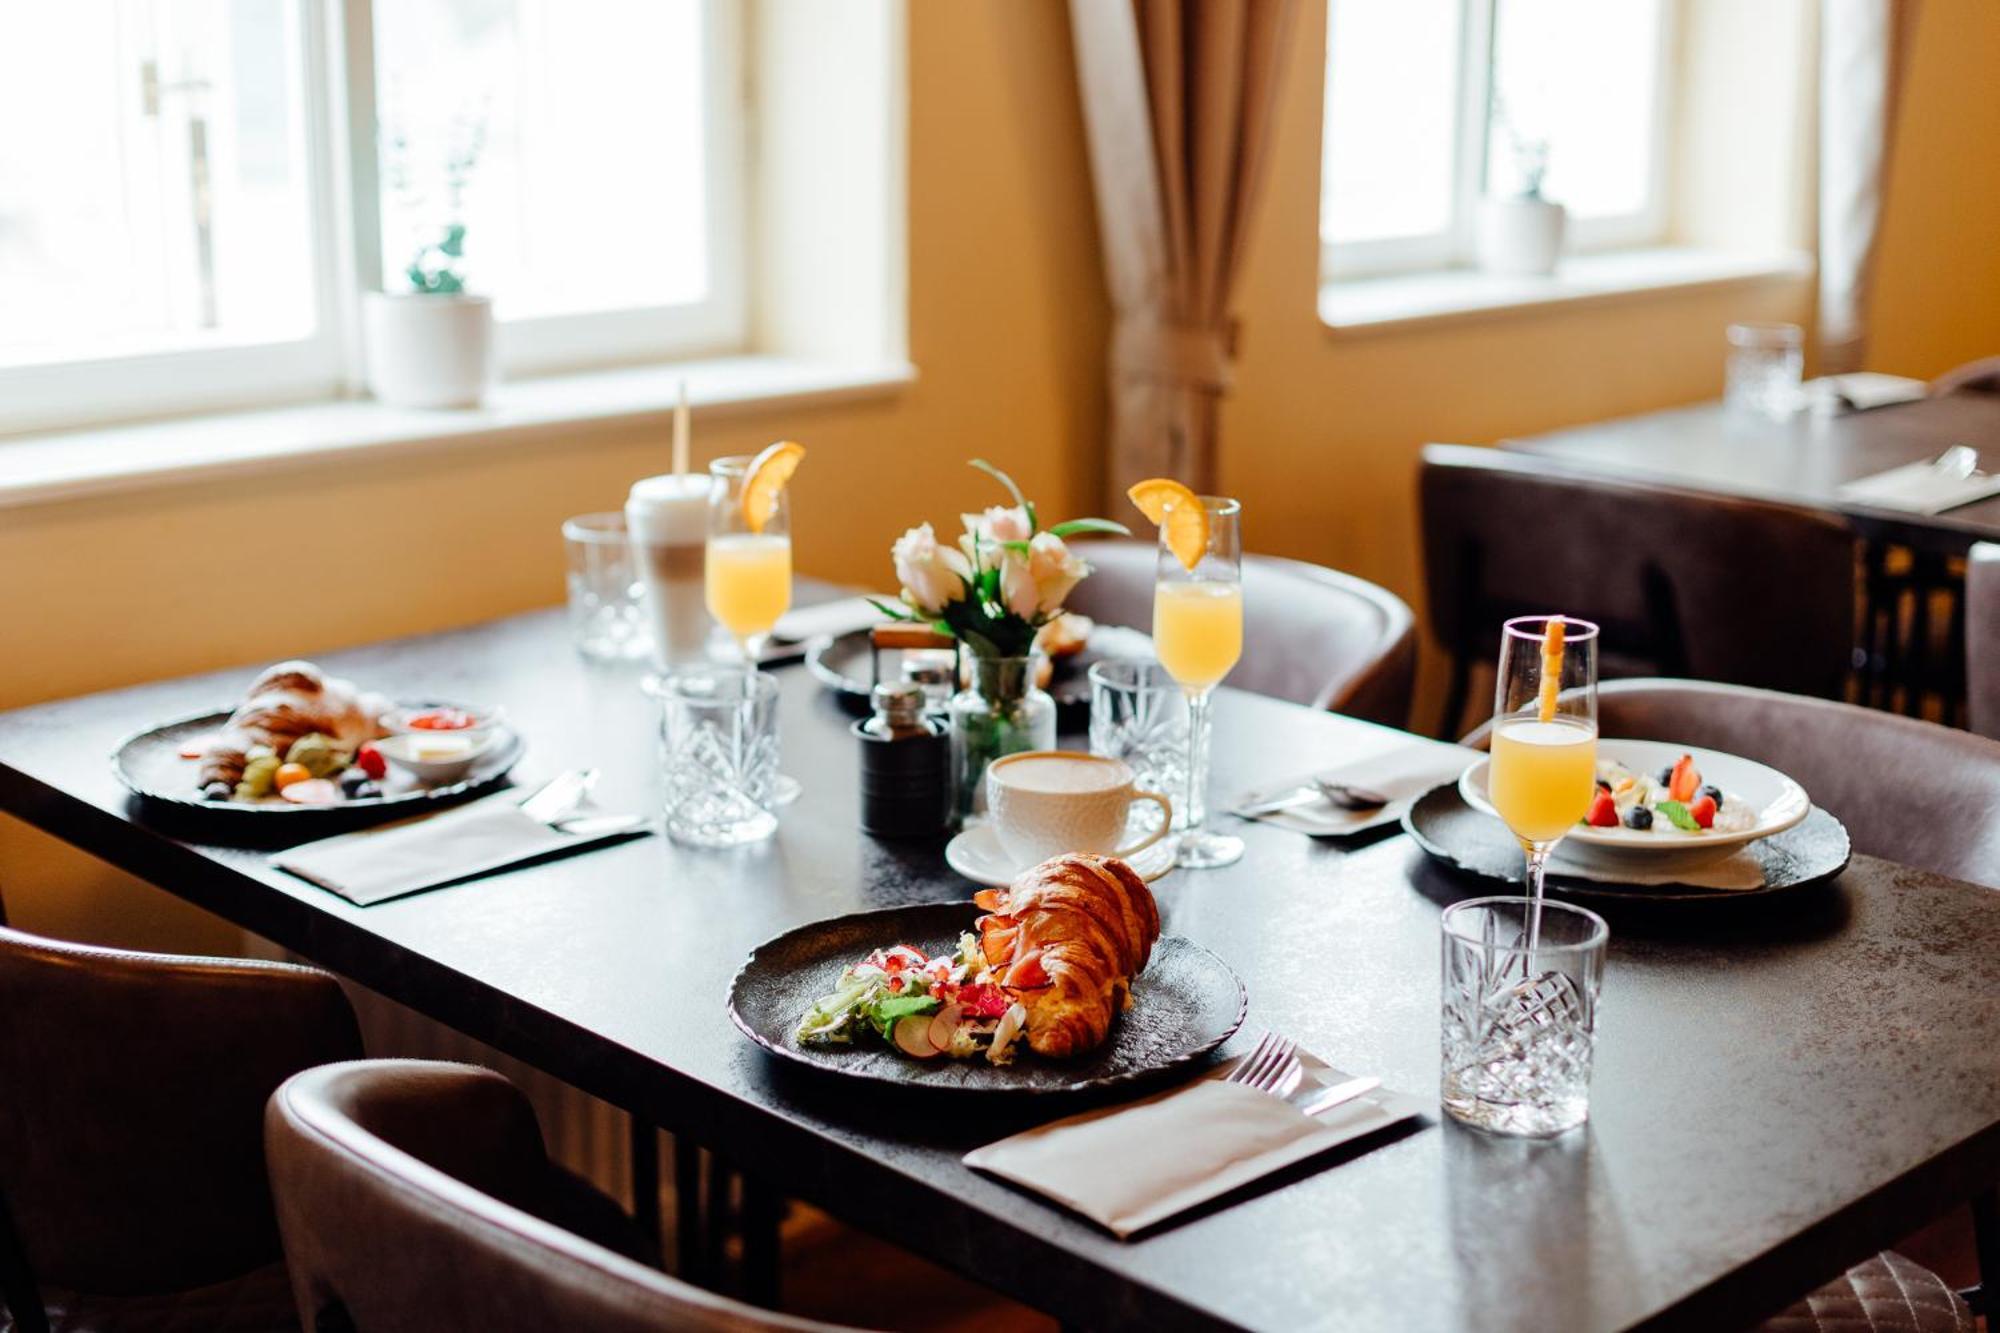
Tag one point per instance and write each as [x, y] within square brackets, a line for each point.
[913, 1037]
[945, 1025]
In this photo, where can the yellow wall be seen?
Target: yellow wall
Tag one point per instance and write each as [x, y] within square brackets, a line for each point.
[1006, 322]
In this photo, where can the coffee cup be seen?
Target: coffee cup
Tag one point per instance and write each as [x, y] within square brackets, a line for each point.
[1044, 803]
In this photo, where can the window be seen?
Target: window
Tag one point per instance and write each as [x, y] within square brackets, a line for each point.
[193, 192]
[1431, 104]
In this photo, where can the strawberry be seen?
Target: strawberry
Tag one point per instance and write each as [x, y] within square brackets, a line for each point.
[1603, 811]
[370, 761]
[1703, 811]
[1685, 780]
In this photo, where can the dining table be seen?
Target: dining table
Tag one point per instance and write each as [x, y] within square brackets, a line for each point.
[1911, 642]
[1782, 1087]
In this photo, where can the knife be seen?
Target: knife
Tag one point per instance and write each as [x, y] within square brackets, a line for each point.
[1340, 1092]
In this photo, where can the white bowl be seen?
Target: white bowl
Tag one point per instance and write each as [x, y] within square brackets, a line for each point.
[1779, 802]
[401, 751]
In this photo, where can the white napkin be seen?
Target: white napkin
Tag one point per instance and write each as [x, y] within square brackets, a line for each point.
[808, 622]
[1738, 871]
[1132, 1166]
[1920, 488]
[381, 863]
[1402, 773]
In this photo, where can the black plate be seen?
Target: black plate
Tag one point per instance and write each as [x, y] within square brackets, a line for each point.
[150, 765]
[841, 663]
[1468, 840]
[1185, 1004]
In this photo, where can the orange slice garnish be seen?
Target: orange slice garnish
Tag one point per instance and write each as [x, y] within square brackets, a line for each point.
[1179, 514]
[1552, 667]
[769, 471]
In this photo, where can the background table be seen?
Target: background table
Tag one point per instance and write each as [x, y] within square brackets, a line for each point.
[1776, 1095]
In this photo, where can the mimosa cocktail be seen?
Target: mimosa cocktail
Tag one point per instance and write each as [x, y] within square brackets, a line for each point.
[1544, 764]
[747, 568]
[749, 582]
[1198, 630]
[1542, 776]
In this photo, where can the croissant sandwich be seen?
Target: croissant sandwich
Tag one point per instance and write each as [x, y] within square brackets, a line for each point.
[290, 700]
[1066, 939]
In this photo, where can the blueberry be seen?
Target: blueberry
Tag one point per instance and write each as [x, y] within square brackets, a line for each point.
[1639, 817]
[350, 778]
[1602, 785]
[1665, 775]
[364, 791]
[217, 791]
[1713, 792]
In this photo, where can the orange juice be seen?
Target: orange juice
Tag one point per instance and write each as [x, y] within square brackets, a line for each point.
[1198, 630]
[749, 581]
[1542, 775]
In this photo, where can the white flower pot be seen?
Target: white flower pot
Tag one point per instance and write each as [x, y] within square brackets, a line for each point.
[429, 351]
[1520, 235]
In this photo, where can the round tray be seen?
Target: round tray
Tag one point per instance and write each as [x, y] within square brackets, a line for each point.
[841, 663]
[1476, 843]
[1185, 1004]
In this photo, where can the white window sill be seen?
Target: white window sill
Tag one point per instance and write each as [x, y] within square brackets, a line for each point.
[69, 464]
[1367, 305]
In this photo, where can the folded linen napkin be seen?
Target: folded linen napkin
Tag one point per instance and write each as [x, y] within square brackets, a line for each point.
[1920, 488]
[466, 841]
[1408, 768]
[1130, 1167]
[837, 617]
[1738, 871]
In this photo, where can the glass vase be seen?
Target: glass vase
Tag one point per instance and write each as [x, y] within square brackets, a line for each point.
[1001, 713]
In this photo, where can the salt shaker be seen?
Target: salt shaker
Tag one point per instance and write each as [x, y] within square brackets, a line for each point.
[905, 766]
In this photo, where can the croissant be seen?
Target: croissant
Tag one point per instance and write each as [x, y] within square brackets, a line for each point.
[1066, 939]
[290, 700]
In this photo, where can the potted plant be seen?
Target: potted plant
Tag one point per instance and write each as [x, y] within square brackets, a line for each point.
[432, 345]
[1522, 233]
[1007, 577]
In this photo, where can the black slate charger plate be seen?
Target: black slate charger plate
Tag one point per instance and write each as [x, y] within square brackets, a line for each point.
[1475, 843]
[1185, 1004]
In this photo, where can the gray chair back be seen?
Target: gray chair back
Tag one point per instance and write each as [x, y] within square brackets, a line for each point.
[1315, 636]
[1908, 791]
[1982, 638]
[413, 1195]
[1684, 584]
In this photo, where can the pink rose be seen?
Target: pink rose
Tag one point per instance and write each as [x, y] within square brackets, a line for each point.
[932, 576]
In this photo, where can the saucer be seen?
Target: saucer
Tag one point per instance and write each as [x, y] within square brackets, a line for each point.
[976, 854]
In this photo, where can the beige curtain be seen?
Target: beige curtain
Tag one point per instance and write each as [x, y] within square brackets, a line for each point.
[1863, 54]
[1178, 100]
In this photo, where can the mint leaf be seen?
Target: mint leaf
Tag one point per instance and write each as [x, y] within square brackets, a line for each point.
[1678, 815]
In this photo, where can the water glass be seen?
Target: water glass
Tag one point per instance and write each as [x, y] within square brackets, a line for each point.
[1138, 715]
[1766, 363]
[719, 753]
[1520, 1017]
[607, 615]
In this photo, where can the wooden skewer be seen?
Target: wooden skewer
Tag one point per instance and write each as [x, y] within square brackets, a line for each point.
[1552, 667]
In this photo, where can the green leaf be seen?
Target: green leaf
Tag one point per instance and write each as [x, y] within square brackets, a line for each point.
[453, 243]
[1076, 525]
[1006, 481]
[1022, 549]
[1034, 523]
[893, 612]
[1677, 814]
[884, 1012]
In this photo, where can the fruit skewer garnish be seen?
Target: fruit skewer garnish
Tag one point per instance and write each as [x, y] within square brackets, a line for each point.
[1552, 668]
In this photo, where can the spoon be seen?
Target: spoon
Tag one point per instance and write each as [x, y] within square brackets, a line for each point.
[1342, 795]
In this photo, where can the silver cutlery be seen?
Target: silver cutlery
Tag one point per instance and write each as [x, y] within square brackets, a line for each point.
[559, 796]
[1272, 1066]
[1960, 460]
[1340, 1093]
[599, 825]
[1343, 795]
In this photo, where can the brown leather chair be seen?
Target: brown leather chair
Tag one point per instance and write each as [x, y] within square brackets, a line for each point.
[1981, 376]
[1319, 637]
[1982, 638]
[131, 1158]
[1684, 584]
[415, 1197]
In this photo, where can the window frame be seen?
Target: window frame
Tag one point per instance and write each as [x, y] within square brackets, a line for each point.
[1456, 245]
[336, 53]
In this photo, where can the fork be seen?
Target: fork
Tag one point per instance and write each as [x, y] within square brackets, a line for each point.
[1272, 1066]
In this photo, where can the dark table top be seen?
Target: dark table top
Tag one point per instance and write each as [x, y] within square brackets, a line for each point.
[1777, 1094]
[1800, 461]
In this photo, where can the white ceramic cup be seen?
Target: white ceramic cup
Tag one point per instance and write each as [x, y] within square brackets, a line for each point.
[1044, 803]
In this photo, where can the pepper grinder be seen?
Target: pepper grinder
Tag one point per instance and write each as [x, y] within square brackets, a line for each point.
[905, 766]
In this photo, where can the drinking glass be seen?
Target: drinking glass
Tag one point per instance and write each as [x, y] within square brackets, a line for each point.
[718, 753]
[1521, 983]
[1766, 362]
[1198, 634]
[606, 611]
[1544, 765]
[1137, 714]
[747, 576]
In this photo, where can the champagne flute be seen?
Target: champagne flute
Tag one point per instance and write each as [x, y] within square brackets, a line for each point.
[1544, 741]
[1198, 634]
[747, 573]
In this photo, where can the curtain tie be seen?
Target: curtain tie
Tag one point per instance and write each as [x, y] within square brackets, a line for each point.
[1147, 347]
